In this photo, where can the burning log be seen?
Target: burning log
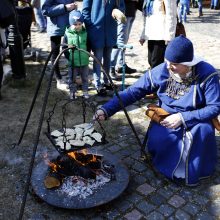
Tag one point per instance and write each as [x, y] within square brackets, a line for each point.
[75, 164]
[76, 192]
[79, 172]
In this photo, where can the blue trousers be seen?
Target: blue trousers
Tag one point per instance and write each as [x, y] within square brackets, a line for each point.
[73, 72]
[214, 3]
[123, 31]
[102, 54]
[183, 12]
[41, 21]
[200, 6]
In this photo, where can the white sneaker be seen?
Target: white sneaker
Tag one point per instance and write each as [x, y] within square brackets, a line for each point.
[61, 85]
[86, 95]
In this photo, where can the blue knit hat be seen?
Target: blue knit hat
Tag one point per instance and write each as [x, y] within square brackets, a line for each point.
[179, 50]
[75, 16]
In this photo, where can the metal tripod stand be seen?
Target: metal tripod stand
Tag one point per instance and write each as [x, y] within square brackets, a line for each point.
[41, 118]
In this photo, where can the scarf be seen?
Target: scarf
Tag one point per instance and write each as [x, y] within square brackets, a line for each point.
[148, 7]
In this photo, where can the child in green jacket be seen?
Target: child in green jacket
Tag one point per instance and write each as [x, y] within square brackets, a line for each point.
[76, 35]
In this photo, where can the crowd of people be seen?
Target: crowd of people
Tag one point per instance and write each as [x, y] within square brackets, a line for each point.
[186, 86]
[52, 16]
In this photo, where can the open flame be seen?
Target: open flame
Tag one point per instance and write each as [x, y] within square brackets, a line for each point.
[78, 155]
[80, 164]
[53, 165]
[82, 157]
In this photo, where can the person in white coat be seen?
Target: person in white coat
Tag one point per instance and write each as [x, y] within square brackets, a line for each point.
[159, 27]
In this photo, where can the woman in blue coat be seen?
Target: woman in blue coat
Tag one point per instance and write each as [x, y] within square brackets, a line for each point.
[102, 34]
[188, 89]
[57, 12]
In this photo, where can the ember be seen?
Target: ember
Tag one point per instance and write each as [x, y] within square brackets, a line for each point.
[78, 173]
[73, 186]
[77, 192]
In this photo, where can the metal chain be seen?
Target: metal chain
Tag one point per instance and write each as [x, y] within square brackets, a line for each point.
[84, 109]
[36, 141]
[51, 113]
[94, 108]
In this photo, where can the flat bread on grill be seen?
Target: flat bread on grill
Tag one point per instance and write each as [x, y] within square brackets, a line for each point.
[61, 144]
[88, 132]
[77, 143]
[56, 133]
[88, 140]
[97, 136]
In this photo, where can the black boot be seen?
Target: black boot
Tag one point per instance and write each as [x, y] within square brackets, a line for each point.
[114, 75]
[128, 70]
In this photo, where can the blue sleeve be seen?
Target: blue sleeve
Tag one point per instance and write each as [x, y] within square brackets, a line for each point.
[122, 6]
[132, 94]
[212, 108]
[86, 11]
[51, 10]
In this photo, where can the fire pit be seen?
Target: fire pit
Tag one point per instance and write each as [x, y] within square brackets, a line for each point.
[81, 188]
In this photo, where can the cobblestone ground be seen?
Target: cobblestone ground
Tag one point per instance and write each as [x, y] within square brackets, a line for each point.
[147, 196]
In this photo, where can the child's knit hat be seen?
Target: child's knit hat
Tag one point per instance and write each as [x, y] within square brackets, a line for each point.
[75, 16]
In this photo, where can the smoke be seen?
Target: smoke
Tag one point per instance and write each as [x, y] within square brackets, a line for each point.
[13, 159]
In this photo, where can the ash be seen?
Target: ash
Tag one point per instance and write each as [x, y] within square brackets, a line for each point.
[77, 186]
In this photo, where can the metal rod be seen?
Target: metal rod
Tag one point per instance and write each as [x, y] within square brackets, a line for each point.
[33, 101]
[121, 104]
[37, 137]
[36, 141]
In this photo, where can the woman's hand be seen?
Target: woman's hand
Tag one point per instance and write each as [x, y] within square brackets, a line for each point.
[172, 121]
[99, 115]
[71, 6]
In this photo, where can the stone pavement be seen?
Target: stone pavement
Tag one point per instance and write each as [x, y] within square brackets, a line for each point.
[147, 196]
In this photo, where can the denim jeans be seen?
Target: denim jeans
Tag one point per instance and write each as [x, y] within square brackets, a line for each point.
[130, 21]
[214, 3]
[117, 55]
[73, 72]
[105, 55]
[123, 31]
[200, 6]
[41, 20]
[183, 12]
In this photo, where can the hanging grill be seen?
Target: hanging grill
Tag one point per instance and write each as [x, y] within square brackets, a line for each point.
[37, 175]
[77, 137]
[78, 177]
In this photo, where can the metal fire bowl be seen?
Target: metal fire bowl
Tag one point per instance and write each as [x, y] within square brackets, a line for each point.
[102, 195]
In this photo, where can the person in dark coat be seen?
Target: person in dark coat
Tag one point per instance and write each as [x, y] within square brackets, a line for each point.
[102, 35]
[57, 12]
[7, 17]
